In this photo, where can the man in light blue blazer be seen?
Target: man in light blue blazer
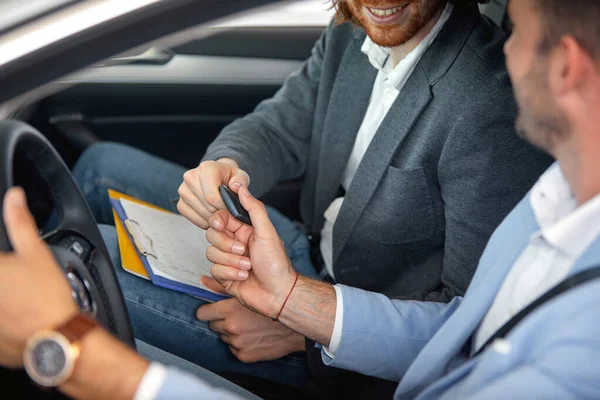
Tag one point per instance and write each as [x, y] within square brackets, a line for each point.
[435, 350]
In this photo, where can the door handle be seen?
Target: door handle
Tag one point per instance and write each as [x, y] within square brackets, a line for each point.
[152, 56]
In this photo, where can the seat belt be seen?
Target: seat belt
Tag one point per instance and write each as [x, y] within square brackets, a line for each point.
[566, 285]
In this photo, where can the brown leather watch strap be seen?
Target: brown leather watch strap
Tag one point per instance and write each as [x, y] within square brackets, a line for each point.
[77, 326]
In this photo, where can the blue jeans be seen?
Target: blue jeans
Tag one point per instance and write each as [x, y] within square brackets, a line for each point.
[165, 318]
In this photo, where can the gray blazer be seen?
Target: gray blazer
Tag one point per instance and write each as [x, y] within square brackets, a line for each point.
[444, 168]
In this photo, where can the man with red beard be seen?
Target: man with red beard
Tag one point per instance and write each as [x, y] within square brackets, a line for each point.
[401, 126]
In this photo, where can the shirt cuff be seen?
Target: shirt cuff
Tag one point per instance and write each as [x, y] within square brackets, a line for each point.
[151, 383]
[336, 336]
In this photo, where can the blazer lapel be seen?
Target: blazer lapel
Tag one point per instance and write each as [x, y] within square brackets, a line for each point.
[347, 107]
[431, 364]
[412, 100]
[398, 122]
[433, 360]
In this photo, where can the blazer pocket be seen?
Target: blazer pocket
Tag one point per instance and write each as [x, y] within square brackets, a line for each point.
[401, 210]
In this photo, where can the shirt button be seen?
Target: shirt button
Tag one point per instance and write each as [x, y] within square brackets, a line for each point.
[501, 346]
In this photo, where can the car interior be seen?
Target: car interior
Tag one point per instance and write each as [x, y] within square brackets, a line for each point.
[173, 102]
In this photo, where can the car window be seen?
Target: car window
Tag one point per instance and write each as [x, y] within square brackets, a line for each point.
[306, 13]
[286, 30]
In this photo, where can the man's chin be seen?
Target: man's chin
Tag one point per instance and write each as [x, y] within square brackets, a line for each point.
[540, 142]
[385, 38]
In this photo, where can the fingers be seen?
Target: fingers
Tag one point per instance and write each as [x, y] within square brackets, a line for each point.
[212, 175]
[191, 215]
[200, 189]
[209, 312]
[258, 214]
[20, 225]
[188, 197]
[218, 326]
[224, 242]
[224, 273]
[217, 256]
[193, 182]
[222, 219]
[213, 285]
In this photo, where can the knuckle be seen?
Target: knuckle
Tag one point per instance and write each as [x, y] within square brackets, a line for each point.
[203, 224]
[237, 342]
[210, 252]
[192, 176]
[213, 199]
[245, 357]
[206, 167]
[210, 237]
[231, 328]
[261, 207]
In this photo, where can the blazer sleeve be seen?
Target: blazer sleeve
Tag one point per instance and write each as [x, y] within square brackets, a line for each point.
[382, 337]
[272, 143]
[480, 184]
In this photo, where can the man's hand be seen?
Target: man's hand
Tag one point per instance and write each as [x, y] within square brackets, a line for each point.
[251, 264]
[34, 293]
[199, 196]
[250, 336]
[265, 287]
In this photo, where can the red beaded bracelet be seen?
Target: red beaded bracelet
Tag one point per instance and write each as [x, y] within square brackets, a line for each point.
[276, 319]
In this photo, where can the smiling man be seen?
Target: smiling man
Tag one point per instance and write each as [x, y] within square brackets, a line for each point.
[401, 126]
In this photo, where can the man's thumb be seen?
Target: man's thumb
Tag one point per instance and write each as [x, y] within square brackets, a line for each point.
[19, 223]
[240, 178]
[258, 213]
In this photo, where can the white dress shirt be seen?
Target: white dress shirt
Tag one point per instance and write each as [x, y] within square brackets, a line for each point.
[388, 84]
[566, 232]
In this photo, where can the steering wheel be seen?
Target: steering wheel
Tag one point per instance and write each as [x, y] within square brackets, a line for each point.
[76, 241]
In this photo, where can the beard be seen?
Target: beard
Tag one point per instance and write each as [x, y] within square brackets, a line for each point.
[417, 14]
[539, 121]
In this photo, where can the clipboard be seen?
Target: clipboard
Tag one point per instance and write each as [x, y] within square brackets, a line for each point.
[130, 261]
[143, 251]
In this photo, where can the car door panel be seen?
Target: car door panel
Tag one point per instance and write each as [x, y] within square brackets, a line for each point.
[173, 110]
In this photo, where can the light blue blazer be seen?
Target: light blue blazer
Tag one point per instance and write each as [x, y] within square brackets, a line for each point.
[553, 354]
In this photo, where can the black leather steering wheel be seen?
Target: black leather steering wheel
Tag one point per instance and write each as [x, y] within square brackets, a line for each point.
[76, 241]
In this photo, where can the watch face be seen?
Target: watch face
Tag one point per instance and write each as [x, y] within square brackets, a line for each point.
[49, 358]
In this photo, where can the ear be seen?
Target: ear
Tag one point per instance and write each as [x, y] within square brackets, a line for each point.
[570, 67]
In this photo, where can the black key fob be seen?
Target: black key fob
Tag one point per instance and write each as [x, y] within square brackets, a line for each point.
[232, 202]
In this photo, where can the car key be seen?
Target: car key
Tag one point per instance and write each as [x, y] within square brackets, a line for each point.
[232, 202]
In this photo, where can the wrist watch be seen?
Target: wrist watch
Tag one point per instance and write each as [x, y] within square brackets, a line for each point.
[50, 355]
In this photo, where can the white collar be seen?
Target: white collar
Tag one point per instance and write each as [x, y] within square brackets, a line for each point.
[378, 55]
[563, 224]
